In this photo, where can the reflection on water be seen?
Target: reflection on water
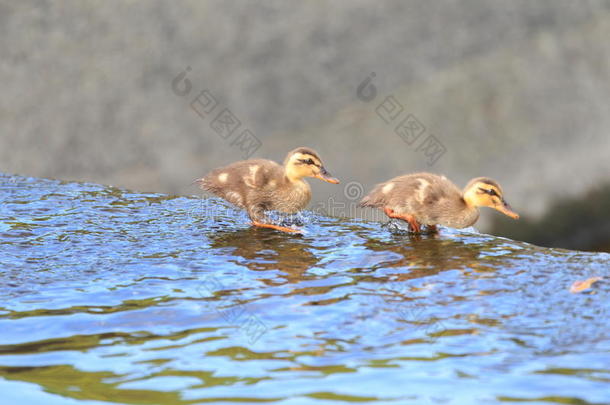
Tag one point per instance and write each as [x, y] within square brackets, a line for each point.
[259, 250]
[114, 296]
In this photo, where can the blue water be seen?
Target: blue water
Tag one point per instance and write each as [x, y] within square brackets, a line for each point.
[112, 296]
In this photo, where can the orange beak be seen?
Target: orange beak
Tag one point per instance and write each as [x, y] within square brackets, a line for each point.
[325, 176]
[507, 210]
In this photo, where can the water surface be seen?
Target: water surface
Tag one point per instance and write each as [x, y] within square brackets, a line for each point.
[112, 296]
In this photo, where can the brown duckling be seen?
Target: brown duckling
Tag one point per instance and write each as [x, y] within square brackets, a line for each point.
[259, 185]
[429, 199]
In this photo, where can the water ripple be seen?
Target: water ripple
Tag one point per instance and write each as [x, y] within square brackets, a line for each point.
[137, 298]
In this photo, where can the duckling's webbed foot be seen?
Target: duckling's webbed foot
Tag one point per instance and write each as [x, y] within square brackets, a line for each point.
[276, 227]
[257, 215]
[413, 225]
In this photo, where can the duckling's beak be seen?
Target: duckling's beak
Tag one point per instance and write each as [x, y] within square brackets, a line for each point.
[325, 176]
[506, 209]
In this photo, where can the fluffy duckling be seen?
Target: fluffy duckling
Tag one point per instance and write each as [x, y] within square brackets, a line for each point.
[429, 199]
[260, 185]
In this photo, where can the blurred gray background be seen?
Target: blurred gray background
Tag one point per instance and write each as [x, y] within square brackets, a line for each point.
[518, 91]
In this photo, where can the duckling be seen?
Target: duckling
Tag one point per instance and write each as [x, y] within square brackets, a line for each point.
[259, 185]
[430, 199]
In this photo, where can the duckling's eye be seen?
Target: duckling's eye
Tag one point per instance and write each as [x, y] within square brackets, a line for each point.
[491, 192]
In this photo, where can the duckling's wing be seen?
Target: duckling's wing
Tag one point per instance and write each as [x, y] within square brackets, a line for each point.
[237, 181]
[410, 192]
[432, 199]
[392, 192]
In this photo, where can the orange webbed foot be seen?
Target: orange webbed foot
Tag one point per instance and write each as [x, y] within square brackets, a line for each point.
[277, 227]
[413, 225]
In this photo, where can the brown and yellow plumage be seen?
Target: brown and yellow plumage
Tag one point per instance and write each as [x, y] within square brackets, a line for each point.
[430, 199]
[259, 185]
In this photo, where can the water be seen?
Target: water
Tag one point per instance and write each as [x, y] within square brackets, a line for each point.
[111, 296]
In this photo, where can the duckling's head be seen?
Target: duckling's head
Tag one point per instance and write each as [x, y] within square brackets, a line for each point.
[305, 162]
[485, 192]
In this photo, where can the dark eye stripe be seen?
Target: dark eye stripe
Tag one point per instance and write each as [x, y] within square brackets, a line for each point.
[309, 162]
[490, 192]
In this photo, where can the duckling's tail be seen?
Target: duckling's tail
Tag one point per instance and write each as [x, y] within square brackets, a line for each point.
[373, 199]
[200, 182]
[204, 183]
[365, 202]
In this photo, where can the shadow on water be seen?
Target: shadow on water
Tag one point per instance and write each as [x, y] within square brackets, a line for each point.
[114, 296]
[260, 250]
